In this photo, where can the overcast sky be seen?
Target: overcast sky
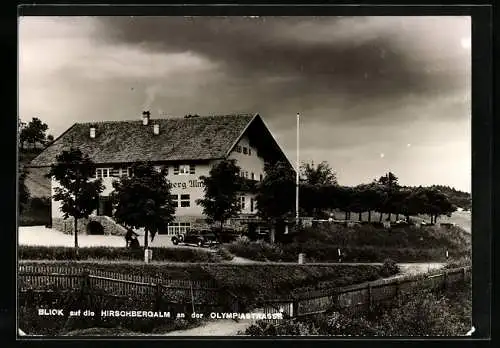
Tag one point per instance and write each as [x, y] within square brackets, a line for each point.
[374, 93]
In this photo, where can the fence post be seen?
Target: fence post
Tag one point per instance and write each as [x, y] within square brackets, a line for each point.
[370, 298]
[398, 292]
[464, 272]
[84, 289]
[192, 296]
[445, 283]
[294, 308]
[158, 297]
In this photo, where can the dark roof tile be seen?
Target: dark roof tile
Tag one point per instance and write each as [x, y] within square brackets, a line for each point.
[196, 138]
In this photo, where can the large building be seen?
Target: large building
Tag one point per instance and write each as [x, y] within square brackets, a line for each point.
[187, 147]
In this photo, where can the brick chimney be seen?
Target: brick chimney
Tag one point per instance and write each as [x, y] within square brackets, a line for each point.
[92, 132]
[145, 117]
[156, 129]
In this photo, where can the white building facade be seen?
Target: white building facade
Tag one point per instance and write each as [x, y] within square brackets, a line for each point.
[184, 174]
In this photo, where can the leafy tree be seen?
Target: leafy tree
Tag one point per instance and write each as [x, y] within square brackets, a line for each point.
[358, 204]
[438, 204]
[373, 197]
[143, 200]
[390, 185]
[322, 174]
[78, 192]
[276, 193]
[346, 200]
[34, 132]
[221, 201]
[389, 180]
[49, 140]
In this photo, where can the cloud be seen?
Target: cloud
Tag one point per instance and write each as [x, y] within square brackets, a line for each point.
[363, 85]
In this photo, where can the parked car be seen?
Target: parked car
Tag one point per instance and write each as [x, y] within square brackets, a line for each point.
[197, 237]
[226, 235]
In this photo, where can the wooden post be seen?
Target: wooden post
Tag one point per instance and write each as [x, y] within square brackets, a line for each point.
[84, 289]
[445, 283]
[158, 297]
[192, 295]
[295, 305]
[464, 272]
[370, 299]
[398, 292]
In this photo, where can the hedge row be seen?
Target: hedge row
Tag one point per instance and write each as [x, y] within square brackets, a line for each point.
[411, 237]
[425, 313]
[322, 252]
[26, 252]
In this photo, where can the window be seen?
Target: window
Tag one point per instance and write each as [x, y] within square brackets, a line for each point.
[175, 200]
[246, 175]
[260, 177]
[251, 204]
[242, 202]
[242, 174]
[238, 148]
[178, 227]
[245, 150]
[103, 172]
[115, 172]
[185, 201]
[253, 176]
[184, 169]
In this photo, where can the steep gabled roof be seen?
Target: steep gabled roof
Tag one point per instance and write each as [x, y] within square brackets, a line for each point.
[196, 138]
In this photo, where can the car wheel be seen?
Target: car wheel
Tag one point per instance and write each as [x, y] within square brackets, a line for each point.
[200, 243]
[175, 241]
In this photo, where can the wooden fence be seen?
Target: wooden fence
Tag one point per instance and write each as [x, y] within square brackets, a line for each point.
[178, 294]
[362, 297]
[206, 295]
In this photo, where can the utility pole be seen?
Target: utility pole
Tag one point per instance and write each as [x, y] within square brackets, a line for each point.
[297, 177]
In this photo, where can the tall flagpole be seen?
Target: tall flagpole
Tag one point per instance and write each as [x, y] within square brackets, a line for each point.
[297, 177]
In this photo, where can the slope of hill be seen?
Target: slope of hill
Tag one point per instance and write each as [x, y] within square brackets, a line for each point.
[36, 182]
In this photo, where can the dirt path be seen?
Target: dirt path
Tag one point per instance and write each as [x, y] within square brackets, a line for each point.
[214, 328]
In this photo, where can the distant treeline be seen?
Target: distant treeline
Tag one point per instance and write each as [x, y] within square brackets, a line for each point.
[458, 198]
[384, 196]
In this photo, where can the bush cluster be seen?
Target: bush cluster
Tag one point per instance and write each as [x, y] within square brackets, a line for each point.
[424, 313]
[26, 252]
[32, 323]
[36, 212]
[363, 243]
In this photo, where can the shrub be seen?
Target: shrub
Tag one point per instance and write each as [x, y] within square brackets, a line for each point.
[32, 323]
[427, 314]
[264, 281]
[224, 254]
[36, 213]
[287, 328]
[422, 313]
[389, 268]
